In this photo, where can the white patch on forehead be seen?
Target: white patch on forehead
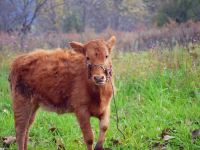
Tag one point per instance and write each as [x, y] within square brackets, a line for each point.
[107, 52]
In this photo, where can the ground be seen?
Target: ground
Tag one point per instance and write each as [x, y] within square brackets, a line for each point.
[158, 101]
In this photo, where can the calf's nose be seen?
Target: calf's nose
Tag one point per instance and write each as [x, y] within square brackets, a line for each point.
[99, 78]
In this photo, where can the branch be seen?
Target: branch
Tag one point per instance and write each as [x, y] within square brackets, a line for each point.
[37, 9]
[54, 6]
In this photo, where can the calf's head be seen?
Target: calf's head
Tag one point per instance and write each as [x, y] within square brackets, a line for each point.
[97, 57]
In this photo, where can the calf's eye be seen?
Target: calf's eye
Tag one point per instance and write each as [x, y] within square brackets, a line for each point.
[87, 58]
[106, 56]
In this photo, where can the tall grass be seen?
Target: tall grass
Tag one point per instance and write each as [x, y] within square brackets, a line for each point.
[155, 91]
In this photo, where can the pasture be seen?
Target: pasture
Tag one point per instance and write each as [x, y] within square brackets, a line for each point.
[158, 101]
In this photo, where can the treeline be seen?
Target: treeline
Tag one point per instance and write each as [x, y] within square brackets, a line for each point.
[41, 16]
[70, 15]
[138, 24]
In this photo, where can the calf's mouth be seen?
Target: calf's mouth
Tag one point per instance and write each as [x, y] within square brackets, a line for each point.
[100, 82]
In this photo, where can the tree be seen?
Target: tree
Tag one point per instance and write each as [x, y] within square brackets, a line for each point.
[21, 14]
[51, 16]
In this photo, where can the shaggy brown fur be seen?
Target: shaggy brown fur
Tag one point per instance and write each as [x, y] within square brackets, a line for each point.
[58, 80]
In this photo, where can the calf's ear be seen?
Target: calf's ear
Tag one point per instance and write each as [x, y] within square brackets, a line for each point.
[111, 42]
[78, 47]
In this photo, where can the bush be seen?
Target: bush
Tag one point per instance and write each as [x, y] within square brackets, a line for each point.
[166, 37]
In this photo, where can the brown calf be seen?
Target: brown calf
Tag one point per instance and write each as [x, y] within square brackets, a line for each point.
[77, 81]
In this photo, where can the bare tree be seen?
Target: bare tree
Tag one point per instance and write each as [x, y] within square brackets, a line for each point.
[20, 14]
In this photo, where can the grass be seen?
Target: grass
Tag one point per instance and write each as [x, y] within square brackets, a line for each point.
[158, 93]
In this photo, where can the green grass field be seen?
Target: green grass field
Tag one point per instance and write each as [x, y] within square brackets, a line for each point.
[157, 95]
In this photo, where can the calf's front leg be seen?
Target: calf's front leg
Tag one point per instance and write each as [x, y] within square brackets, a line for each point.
[83, 118]
[103, 125]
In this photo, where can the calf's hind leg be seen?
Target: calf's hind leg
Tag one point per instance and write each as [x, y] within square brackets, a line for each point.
[24, 112]
[31, 120]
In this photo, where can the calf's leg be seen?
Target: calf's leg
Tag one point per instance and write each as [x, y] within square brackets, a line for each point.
[31, 120]
[23, 114]
[103, 125]
[83, 118]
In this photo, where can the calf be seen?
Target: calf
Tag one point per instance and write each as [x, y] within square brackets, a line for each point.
[78, 81]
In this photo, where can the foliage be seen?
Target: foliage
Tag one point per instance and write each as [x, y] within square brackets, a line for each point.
[72, 23]
[156, 92]
[179, 10]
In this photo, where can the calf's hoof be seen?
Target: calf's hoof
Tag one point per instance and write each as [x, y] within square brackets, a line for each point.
[98, 147]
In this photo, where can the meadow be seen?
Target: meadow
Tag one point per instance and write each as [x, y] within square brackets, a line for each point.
[157, 97]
